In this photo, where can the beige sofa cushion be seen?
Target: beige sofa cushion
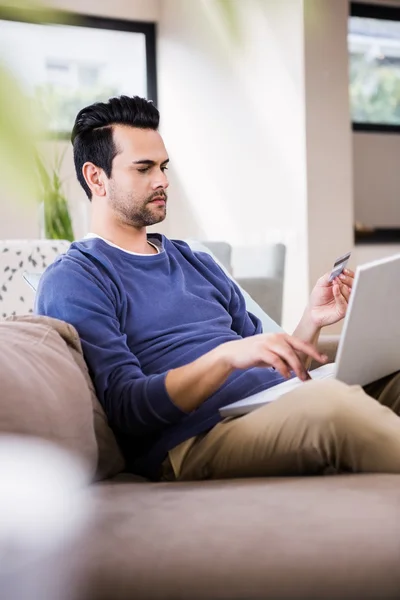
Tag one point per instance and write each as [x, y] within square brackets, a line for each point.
[42, 391]
[300, 538]
[110, 460]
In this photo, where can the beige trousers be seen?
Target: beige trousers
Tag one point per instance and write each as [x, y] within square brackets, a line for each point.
[321, 427]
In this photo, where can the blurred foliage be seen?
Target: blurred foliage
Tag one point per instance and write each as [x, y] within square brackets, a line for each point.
[374, 90]
[17, 138]
[229, 14]
[30, 10]
[57, 220]
[22, 171]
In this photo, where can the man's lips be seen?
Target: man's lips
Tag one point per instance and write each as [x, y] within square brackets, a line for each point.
[158, 200]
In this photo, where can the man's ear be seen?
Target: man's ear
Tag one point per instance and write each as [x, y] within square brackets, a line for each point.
[94, 177]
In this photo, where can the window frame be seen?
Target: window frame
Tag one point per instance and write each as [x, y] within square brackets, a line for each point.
[384, 13]
[59, 17]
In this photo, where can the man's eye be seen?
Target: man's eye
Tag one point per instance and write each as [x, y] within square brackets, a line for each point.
[163, 169]
[143, 170]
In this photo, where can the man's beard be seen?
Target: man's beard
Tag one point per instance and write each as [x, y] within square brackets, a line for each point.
[139, 214]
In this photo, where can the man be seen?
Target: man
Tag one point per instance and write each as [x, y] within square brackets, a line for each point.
[168, 340]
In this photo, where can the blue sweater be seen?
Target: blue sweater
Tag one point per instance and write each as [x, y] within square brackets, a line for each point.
[140, 316]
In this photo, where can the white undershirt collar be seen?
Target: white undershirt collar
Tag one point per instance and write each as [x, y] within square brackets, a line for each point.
[90, 236]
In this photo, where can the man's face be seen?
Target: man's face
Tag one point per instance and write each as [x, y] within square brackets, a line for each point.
[137, 188]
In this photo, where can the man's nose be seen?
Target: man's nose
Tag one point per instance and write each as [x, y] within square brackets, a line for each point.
[161, 181]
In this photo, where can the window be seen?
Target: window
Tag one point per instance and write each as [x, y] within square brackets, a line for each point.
[374, 67]
[68, 65]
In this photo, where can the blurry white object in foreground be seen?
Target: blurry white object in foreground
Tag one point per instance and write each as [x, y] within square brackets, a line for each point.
[43, 511]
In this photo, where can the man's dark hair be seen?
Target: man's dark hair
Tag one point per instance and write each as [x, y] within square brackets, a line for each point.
[92, 135]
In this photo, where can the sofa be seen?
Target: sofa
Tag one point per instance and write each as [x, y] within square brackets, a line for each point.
[333, 537]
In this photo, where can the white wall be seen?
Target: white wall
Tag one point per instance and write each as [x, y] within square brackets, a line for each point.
[274, 161]
[328, 135]
[233, 119]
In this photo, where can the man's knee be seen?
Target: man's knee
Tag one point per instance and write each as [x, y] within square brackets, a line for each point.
[329, 401]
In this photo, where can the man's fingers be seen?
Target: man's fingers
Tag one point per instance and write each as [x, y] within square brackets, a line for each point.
[308, 349]
[345, 291]
[279, 365]
[350, 273]
[286, 352]
[339, 295]
[346, 279]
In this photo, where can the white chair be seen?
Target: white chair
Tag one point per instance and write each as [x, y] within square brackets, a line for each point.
[222, 251]
[260, 270]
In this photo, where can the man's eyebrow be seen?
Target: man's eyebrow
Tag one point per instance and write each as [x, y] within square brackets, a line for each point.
[146, 161]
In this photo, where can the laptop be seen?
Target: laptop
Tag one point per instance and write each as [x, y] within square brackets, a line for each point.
[369, 347]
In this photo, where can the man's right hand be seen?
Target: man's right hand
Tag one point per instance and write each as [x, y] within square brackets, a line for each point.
[190, 385]
[278, 350]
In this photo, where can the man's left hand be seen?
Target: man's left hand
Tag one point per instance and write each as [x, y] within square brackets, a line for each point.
[329, 299]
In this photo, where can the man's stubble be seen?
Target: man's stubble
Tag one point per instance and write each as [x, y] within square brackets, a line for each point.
[135, 212]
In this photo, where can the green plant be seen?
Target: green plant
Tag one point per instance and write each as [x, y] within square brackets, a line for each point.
[229, 14]
[20, 117]
[57, 219]
[17, 139]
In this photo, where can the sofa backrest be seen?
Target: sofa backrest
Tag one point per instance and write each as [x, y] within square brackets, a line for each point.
[16, 257]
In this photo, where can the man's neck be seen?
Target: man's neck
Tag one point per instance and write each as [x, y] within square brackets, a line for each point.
[127, 238]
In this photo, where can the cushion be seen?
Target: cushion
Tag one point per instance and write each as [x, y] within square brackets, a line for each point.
[43, 393]
[17, 256]
[110, 460]
[303, 538]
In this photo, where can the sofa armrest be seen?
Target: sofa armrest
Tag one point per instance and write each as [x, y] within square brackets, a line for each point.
[327, 344]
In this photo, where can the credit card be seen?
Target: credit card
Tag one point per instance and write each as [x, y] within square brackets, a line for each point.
[339, 266]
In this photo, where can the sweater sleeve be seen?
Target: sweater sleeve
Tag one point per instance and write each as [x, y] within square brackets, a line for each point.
[244, 323]
[134, 403]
